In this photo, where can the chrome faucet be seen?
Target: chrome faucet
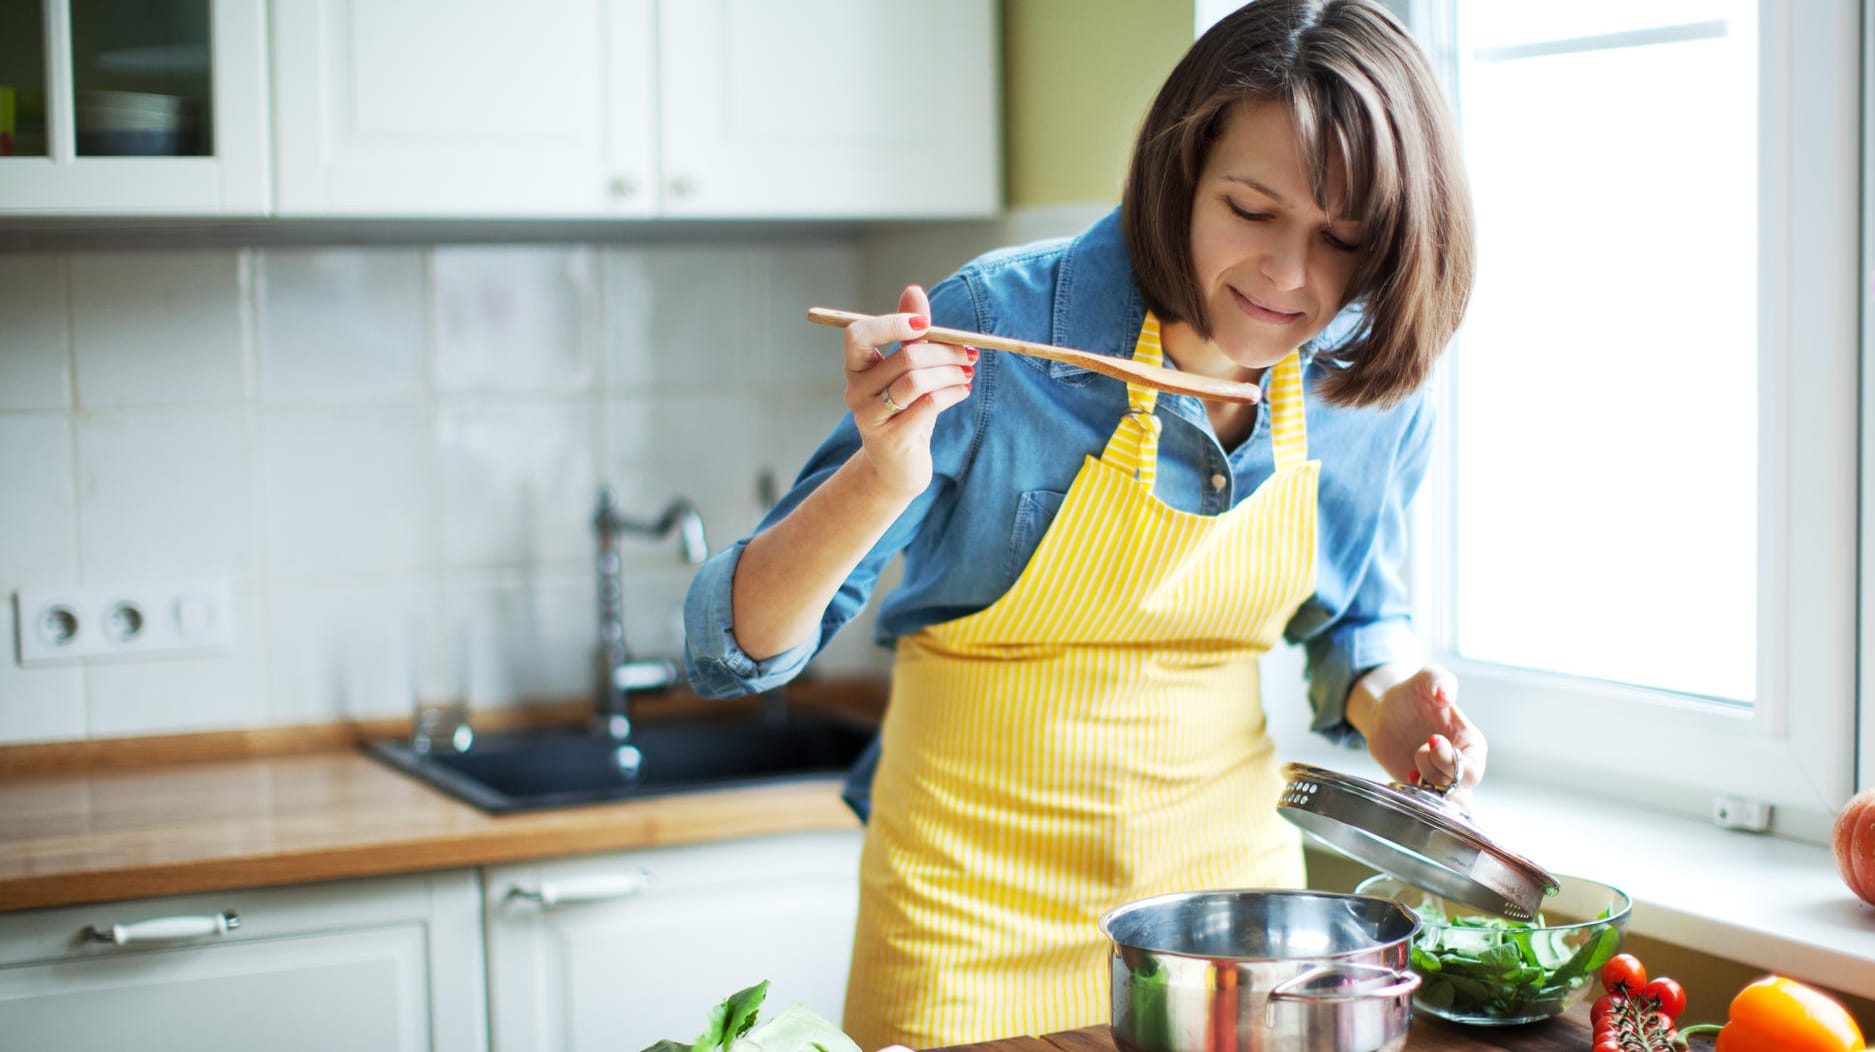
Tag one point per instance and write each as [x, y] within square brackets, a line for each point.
[620, 675]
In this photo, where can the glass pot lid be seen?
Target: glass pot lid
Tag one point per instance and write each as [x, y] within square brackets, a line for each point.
[1415, 835]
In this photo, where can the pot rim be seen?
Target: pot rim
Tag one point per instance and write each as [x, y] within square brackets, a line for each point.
[1412, 932]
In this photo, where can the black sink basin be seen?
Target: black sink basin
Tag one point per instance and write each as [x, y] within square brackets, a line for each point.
[534, 770]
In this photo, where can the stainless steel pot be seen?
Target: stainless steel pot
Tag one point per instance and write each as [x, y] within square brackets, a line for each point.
[1255, 970]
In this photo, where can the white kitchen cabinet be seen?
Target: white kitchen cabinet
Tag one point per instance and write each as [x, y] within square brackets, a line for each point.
[120, 107]
[463, 107]
[615, 951]
[816, 108]
[390, 964]
[606, 108]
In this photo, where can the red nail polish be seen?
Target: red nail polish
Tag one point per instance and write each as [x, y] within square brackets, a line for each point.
[969, 370]
[919, 323]
[973, 353]
[1433, 743]
[1439, 693]
[1412, 777]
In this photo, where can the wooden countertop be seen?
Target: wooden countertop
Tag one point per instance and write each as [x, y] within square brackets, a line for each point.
[84, 822]
[1567, 1033]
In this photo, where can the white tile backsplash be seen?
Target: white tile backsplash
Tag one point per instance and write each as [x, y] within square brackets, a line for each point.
[518, 483]
[35, 334]
[515, 318]
[163, 493]
[349, 492]
[684, 319]
[805, 358]
[341, 325]
[701, 447]
[532, 635]
[185, 693]
[158, 328]
[38, 538]
[347, 651]
[394, 452]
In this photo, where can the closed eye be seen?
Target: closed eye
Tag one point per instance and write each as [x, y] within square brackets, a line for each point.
[1242, 213]
[1258, 217]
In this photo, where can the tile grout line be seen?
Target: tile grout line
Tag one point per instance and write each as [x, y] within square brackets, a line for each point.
[252, 276]
[73, 468]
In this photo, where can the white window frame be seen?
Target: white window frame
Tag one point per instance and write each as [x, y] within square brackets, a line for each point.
[1796, 748]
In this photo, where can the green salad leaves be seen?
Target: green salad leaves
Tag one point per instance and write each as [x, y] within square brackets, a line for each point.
[731, 1028]
[1505, 969]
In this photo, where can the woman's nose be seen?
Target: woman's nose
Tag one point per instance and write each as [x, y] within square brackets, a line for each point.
[1285, 265]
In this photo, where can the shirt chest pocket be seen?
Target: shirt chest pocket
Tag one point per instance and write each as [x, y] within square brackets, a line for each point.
[1035, 512]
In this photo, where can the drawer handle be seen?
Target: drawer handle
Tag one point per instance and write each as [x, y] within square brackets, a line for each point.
[164, 929]
[600, 888]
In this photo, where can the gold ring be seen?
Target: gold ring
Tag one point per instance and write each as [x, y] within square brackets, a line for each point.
[892, 407]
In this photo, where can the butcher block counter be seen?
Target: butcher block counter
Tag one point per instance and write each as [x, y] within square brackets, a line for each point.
[99, 821]
[1570, 1033]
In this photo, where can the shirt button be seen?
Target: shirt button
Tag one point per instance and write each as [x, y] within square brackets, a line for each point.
[1218, 481]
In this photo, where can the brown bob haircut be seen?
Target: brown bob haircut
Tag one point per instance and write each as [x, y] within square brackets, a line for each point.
[1362, 95]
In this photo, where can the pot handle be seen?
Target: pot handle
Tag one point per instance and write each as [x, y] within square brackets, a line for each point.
[1391, 984]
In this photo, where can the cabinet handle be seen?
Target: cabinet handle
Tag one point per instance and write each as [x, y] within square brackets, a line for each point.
[586, 889]
[683, 186]
[164, 929]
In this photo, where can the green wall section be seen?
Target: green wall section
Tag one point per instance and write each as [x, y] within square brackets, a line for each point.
[1078, 76]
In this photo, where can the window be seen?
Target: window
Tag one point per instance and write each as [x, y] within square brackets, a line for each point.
[1638, 542]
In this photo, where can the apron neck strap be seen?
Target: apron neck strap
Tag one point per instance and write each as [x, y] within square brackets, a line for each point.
[1134, 447]
[1289, 436]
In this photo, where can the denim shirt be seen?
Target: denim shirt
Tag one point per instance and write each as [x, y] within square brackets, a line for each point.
[1004, 457]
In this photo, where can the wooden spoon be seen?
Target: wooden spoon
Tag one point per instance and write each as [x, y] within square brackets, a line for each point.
[1157, 377]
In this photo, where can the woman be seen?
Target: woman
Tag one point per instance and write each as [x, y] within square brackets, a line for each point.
[1091, 570]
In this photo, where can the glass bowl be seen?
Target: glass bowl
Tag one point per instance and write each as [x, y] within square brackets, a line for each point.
[1486, 970]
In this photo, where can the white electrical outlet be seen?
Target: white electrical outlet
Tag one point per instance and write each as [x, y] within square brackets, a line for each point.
[103, 622]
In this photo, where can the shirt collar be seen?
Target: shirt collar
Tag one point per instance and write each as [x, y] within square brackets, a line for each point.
[1098, 307]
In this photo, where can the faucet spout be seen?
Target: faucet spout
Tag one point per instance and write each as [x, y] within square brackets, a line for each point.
[621, 675]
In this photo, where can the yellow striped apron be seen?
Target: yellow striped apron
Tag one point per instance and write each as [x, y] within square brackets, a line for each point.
[1092, 737]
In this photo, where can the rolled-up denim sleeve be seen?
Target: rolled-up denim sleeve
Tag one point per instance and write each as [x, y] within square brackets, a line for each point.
[1360, 617]
[717, 666]
[1339, 658]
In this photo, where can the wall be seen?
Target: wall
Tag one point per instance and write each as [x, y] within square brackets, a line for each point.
[393, 453]
[1079, 76]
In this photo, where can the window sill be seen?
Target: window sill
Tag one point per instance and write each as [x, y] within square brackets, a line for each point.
[1763, 901]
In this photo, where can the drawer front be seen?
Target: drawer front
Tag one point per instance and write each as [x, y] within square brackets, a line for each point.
[381, 964]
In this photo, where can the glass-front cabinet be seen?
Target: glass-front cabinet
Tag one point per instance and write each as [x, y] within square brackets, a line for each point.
[133, 107]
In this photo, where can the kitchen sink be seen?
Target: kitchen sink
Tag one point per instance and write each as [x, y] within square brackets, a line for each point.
[527, 771]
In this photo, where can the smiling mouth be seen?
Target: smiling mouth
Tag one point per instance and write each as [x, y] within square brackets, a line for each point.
[1264, 314]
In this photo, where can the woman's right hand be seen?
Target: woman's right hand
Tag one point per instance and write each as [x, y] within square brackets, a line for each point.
[895, 399]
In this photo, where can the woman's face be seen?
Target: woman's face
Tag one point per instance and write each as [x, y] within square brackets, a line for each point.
[1273, 266]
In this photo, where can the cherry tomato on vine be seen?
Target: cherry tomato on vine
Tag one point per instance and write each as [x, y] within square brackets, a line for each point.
[1622, 973]
[1603, 1005]
[1668, 994]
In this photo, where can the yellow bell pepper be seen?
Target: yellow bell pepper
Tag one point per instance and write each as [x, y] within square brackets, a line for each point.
[1776, 1014]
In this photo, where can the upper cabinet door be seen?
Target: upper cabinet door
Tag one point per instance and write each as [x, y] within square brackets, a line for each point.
[123, 107]
[837, 108]
[460, 107]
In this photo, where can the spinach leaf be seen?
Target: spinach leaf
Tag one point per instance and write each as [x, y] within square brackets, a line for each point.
[1494, 967]
[731, 1018]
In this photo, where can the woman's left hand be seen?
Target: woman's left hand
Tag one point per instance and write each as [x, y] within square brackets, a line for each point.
[1418, 734]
